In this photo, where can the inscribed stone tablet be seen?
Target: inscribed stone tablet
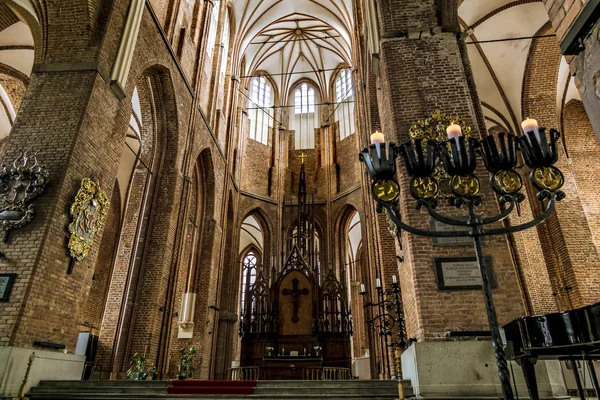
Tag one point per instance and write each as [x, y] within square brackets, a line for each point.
[461, 273]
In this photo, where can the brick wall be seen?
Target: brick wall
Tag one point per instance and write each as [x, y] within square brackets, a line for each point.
[563, 13]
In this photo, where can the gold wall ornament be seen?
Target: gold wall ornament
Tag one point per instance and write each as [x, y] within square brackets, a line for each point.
[88, 212]
[434, 127]
[549, 178]
[467, 186]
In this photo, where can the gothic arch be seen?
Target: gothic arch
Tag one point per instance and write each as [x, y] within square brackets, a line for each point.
[267, 231]
[566, 236]
[147, 212]
[342, 226]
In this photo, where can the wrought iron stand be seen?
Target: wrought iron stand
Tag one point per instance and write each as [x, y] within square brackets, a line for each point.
[459, 158]
[385, 321]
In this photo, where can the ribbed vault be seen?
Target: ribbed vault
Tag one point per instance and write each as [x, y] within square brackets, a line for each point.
[293, 40]
[499, 67]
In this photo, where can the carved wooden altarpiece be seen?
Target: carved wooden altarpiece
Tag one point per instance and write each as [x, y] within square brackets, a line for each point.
[296, 310]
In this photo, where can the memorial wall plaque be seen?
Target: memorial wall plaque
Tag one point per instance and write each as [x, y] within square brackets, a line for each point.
[437, 226]
[461, 273]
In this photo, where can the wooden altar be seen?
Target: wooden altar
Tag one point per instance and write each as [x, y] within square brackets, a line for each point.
[296, 310]
[289, 367]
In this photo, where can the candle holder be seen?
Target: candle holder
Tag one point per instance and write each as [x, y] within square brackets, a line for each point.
[388, 314]
[459, 156]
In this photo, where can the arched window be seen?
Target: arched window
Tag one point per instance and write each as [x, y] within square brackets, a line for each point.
[305, 118]
[260, 121]
[353, 243]
[212, 32]
[225, 49]
[344, 97]
[248, 276]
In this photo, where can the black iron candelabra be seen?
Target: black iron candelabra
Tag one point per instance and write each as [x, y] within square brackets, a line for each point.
[388, 315]
[458, 157]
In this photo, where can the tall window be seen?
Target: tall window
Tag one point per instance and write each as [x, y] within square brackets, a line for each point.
[212, 32]
[344, 97]
[248, 276]
[258, 109]
[305, 118]
[225, 49]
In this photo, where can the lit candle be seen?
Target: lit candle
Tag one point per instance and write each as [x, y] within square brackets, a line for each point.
[378, 139]
[529, 125]
[378, 282]
[394, 279]
[453, 131]
[362, 288]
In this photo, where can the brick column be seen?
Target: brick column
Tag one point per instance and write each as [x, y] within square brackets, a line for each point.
[68, 116]
[433, 76]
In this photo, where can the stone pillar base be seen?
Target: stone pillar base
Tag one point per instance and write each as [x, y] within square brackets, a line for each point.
[47, 365]
[467, 370]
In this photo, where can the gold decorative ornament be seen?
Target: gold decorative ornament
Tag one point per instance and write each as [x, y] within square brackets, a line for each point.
[88, 212]
[386, 190]
[549, 178]
[467, 186]
[434, 127]
[424, 187]
[506, 182]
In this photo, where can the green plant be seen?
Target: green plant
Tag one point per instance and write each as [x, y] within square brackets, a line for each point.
[140, 368]
[185, 368]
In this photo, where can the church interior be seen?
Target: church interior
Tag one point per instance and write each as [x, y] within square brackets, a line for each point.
[383, 199]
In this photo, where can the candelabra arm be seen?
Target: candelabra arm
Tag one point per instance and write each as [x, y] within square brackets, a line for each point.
[503, 215]
[401, 225]
[552, 198]
[442, 218]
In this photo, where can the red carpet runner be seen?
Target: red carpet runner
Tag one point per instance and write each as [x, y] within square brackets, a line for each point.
[239, 388]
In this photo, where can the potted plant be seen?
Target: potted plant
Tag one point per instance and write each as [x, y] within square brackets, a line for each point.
[185, 368]
[140, 368]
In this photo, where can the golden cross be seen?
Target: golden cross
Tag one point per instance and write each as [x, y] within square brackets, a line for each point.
[437, 114]
[302, 157]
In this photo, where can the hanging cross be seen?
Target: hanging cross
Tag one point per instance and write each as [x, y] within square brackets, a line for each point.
[302, 157]
[295, 292]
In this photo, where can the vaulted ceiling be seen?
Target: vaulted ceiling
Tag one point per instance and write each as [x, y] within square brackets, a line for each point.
[16, 62]
[292, 40]
[499, 67]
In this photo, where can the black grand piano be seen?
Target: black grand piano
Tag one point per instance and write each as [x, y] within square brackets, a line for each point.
[570, 335]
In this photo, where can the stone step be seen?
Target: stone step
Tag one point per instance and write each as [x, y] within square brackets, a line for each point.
[284, 390]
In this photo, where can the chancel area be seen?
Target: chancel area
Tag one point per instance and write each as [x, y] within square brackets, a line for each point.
[300, 199]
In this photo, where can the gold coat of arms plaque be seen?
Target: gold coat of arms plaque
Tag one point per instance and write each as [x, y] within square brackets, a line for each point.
[87, 213]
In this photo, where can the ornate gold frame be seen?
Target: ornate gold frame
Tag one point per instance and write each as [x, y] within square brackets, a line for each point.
[79, 246]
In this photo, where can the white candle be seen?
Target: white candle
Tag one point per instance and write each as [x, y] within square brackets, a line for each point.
[362, 288]
[378, 282]
[378, 139]
[529, 125]
[394, 279]
[453, 131]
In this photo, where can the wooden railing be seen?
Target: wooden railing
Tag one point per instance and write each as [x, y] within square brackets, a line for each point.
[308, 374]
[336, 374]
[243, 374]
